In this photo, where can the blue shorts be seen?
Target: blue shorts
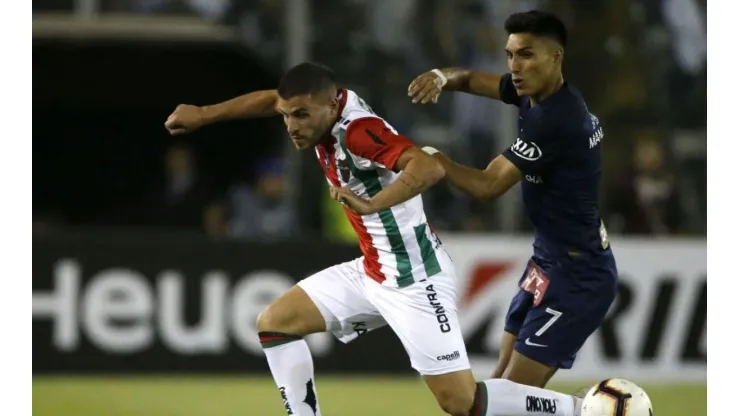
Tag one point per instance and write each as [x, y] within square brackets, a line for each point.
[559, 305]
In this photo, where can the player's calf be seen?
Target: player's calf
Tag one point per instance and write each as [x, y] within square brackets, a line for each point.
[281, 329]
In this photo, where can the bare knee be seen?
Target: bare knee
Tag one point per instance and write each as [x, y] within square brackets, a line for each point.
[293, 313]
[523, 370]
[454, 392]
[278, 318]
[270, 320]
[455, 403]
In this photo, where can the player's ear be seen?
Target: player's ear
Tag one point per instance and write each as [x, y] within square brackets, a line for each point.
[334, 104]
[558, 56]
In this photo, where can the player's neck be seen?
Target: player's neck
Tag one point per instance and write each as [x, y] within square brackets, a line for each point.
[551, 89]
[327, 139]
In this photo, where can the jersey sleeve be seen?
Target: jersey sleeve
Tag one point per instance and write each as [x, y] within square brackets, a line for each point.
[538, 146]
[507, 91]
[372, 139]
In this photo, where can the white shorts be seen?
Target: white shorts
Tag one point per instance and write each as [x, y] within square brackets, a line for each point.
[423, 315]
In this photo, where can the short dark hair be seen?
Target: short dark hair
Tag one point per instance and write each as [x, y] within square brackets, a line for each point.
[538, 23]
[306, 78]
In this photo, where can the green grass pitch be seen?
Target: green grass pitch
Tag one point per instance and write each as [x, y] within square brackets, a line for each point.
[247, 396]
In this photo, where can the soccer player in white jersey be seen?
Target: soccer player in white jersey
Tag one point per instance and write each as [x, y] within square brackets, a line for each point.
[404, 279]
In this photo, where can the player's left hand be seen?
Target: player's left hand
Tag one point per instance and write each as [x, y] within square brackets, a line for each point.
[355, 203]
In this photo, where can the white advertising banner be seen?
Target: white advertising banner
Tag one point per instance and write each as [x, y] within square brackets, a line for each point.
[655, 330]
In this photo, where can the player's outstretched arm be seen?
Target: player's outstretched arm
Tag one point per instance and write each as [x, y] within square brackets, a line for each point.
[427, 86]
[494, 181]
[187, 118]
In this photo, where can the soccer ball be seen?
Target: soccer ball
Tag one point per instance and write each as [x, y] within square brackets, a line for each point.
[616, 397]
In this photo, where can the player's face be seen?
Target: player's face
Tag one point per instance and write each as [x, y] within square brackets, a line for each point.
[308, 117]
[533, 61]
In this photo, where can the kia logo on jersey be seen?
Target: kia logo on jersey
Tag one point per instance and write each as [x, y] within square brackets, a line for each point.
[526, 150]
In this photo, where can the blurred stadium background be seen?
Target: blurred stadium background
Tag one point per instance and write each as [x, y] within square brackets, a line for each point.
[153, 256]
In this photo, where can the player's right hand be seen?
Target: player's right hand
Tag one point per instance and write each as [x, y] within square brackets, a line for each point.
[427, 87]
[185, 119]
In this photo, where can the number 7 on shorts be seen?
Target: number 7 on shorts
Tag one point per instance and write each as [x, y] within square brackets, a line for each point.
[555, 316]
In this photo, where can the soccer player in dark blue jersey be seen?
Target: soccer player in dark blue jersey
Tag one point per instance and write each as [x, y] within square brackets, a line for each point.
[571, 279]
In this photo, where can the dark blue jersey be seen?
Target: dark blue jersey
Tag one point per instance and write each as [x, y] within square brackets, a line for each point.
[559, 154]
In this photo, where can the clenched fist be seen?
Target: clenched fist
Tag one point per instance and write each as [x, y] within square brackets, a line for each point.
[185, 119]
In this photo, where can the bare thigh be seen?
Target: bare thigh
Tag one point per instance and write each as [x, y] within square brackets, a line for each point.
[292, 313]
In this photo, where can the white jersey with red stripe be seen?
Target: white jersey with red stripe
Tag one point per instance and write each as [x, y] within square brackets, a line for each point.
[398, 245]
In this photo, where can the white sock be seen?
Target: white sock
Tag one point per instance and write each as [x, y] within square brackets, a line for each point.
[499, 397]
[292, 368]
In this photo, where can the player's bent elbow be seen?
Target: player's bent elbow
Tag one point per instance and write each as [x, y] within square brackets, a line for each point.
[437, 172]
[483, 193]
[426, 171]
[474, 189]
[493, 190]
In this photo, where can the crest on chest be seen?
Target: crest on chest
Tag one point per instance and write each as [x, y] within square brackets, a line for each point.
[335, 161]
[342, 166]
